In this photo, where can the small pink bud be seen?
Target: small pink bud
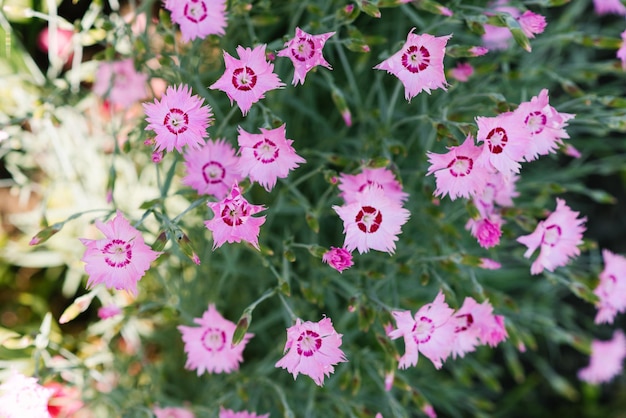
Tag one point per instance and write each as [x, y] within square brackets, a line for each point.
[157, 157]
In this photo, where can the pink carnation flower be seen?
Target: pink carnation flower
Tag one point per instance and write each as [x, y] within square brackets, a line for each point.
[372, 221]
[505, 142]
[419, 64]
[121, 259]
[475, 324]
[312, 348]
[305, 52]
[353, 184]
[499, 190]
[245, 80]
[22, 397]
[606, 359]
[621, 52]
[120, 83]
[611, 289]
[178, 119]
[173, 412]
[228, 413]
[233, 221]
[532, 23]
[430, 331]
[212, 169]
[65, 401]
[557, 237]
[267, 156]
[604, 7]
[338, 258]
[208, 346]
[198, 18]
[462, 72]
[494, 331]
[486, 230]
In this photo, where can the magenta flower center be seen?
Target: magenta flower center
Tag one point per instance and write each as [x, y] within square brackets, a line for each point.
[416, 59]
[213, 172]
[303, 50]
[368, 219]
[195, 11]
[265, 151]
[308, 343]
[117, 253]
[176, 121]
[465, 322]
[423, 330]
[461, 166]
[232, 214]
[244, 79]
[213, 339]
[496, 140]
[535, 121]
[370, 183]
[551, 235]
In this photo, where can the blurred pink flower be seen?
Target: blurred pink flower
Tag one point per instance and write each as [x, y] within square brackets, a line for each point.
[419, 64]
[606, 359]
[571, 151]
[429, 411]
[352, 184]
[532, 23]
[499, 190]
[478, 51]
[611, 289]
[497, 37]
[65, 400]
[172, 412]
[305, 52]
[120, 83]
[462, 72]
[198, 18]
[621, 52]
[486, 230]
[312, 348]
[247, 79]
[209, 348]
[228, 413]
[338, 258]
[109, 311]
[64, 43]
[494, 331]
[476, 324]
[489, 264]
[121, 259]
[212, 169]
[603, 7]
[22, 397]
[505, 142]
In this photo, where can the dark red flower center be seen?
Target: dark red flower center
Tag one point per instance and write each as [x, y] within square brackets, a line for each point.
[536, 122]
[244, 79]
[465, 322]
[308, 343]
[461, 166]
[551, 235]
[232, 214]
[213, 339]
[213, 172]
[176, 121]
[117, 253]
[265, 151]
[496, 140]
[303, 50]
[368, 219]
[416, 59]
[195, 11]
[423, 330]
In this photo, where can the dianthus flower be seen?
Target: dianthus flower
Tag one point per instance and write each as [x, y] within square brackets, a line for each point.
[178, 119]
[474, 325]
[120, 83]
[209, 347]
[245, 80]
[487, 231]
[558, 237]
[267, 156]
[621, 52]
[212, 169]
[121, 259]
[233, 220]
[497, 37]
[430, 331]
[353, 184]
[606, 359]
[229, 413]
[611, 289]
[22, 397]
[462, 72]
[312, 348]
[532, 23]
[305, 52]
[499, 190]
[418, 64]
[172, 412]
[65, 400]
[604, 7]
[198, 18]
[338, 258]
[505, 142]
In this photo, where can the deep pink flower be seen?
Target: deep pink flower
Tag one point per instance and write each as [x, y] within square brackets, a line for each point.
[532, 23]
[22, 397]
[338, 258]
[65, 400]
[462, 72]
[418, 64]
[228, 413]
[209, 346]
[486, 230]
[312, 348]
[430, 331]
[212, 169]
[557, 237]
[611, 289]
[606, 359]
[173, 412]
[505, 142]
[372, 221]
[178, 119]
[121, 259]
[267, 156]
[603, 7]
[120, 83]
[198, 18]
[621, 52]
[109, 311]
[245, 80]
[305, 52]
[352, 184]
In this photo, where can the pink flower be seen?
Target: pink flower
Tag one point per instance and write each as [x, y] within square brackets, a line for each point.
[172, 412]
[109, 311]
[65, 401]
[228, 413]
[430, 331]
[489, 264]
[499, 190]
[121, 259]
[120, 83]
[198, 18]
[209, 348]
[611, 289]
[571, 151]
[312, 349]
[462, 72]
[233, 220]
[305, 52]
[22, 397]
[558, 238]
[478, 51]
[212, 169]
[178, 119]
[603, 7]
[505, 142]
[532, 23]
[486, 230]
[606, 359]
[246, 79]
[64, 48]
[267, 156]
[475, 324]
[456, 172]
[494, 331]
[338, 258]
[497, 37]
[353, 184]
[419, 64]
[429, 411]
[621, 52]
[372, 221]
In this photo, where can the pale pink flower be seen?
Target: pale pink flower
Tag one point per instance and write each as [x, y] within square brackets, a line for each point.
[120, 259]
[497, 37]
[505, 142]
[109, 311]
[338, 258]
[233, 221]
[487, 231]
[462, 72]
[571, 151]
[198, 18]
[611, 289]
[247, 79]
[489, 264]
[532, 23]
[474, 325]
[172, 412]
[209, 346]
[372, 222]
[305, 52]
[352, 184]
[557, 237]
[212, 169]
[430, 331]
[312, 348]
[22, 397]
[606, 360]
[228, 413]
[456, 172]
[418, 64]
[267, 156]
[499, 190]
[178, 119]
[120, 83]
[621, 52]
[603, 7]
